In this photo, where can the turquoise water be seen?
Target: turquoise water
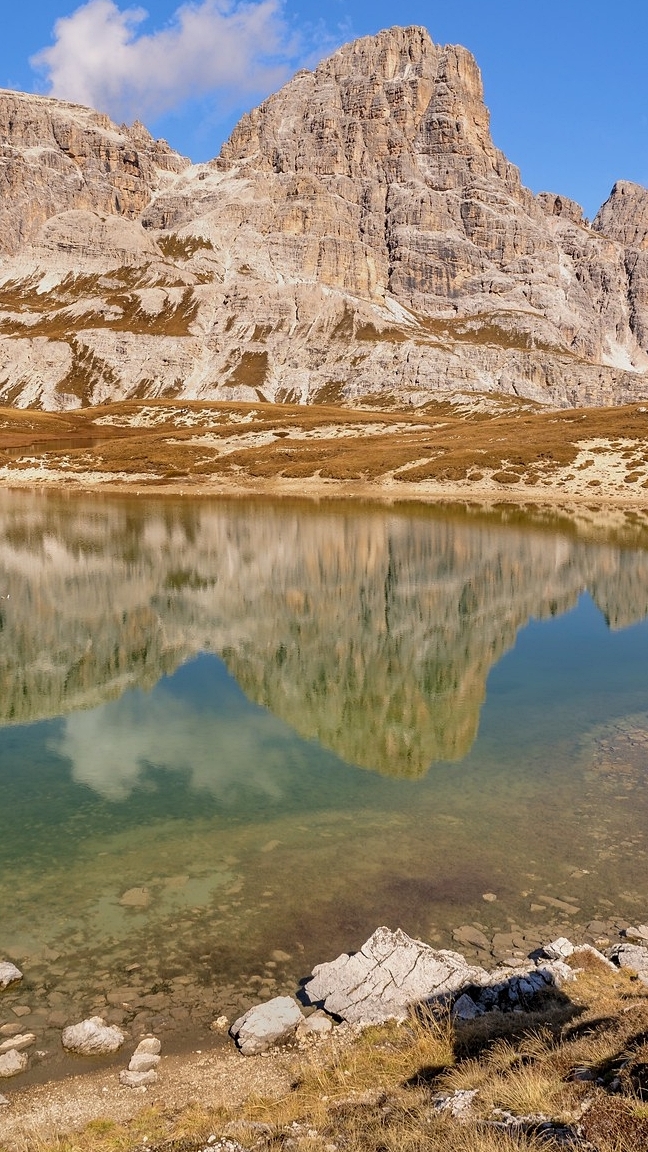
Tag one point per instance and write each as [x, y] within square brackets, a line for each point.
[236, 737]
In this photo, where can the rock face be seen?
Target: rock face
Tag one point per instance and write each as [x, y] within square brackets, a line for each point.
[359, 234]
[265, 1024]
[92, 1037]
[56, 156]
[8, 973]
[389, 973]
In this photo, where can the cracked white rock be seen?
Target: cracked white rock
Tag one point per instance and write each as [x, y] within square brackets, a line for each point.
[9, 974]
[389, 973]
[266, 1023]
[92, 1037]
[317, 1024]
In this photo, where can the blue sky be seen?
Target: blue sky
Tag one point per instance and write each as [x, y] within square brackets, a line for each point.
[566, 83]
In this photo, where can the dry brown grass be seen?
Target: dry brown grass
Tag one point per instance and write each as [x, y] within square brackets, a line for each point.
[441, 443]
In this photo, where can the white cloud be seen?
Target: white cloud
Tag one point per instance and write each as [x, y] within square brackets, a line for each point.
[109, 748]
[100, 56]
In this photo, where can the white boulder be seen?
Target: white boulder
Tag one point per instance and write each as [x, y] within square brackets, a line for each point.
[92, 1037]
[266, 1023]
[12, 1063]
[389, 973]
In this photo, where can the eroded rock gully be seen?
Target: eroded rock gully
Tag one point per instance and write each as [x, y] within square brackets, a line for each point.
[359, 235]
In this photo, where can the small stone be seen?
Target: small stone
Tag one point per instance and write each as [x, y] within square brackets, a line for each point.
[280, 957]
[9, 974]
[4, 1101]
[264, 1024]
[471, 937]
[12, 1064]
[17, 1043]
[465, 1008]
[538, 908]
[150, 1045]
[136, 898]
[458, 1104]
[489, 897]
[220, 1024]
[317, 1024]
[21, 1010]
[92, 1037]
[10, 1029]
[143, 1062]
[638, 933]
[138, 1079]
[558, 949]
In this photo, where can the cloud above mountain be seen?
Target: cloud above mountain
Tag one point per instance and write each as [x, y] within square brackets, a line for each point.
[101, 56]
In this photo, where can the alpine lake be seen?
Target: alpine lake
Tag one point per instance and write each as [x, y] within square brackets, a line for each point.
[236, 737]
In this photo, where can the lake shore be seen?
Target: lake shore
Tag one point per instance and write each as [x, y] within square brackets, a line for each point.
[312, 1091]
[445, 452]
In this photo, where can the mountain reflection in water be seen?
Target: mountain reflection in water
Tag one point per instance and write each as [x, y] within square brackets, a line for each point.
[371, 631]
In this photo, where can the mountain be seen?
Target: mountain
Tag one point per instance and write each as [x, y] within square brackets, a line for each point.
[358, 236]
[372, 632]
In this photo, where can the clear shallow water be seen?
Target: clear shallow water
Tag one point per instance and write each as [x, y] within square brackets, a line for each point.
[236, 738]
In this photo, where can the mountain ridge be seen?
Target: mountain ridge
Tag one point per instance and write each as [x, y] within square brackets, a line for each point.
[358, 237]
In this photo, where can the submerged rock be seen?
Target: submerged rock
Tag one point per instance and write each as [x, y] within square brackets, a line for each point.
[9, 974]
[266, 1023]
[92, 1037]
[17, 1043]
[389, 973]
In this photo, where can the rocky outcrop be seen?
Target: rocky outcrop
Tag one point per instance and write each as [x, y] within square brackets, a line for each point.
[391, 974]
[359, 234]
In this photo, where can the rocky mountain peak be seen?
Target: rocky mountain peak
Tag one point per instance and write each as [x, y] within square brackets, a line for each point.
[359, 235]
[624, 216]
[394, 106]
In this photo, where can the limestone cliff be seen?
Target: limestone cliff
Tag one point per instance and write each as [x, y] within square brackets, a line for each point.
[359, 235]
[373, 633]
